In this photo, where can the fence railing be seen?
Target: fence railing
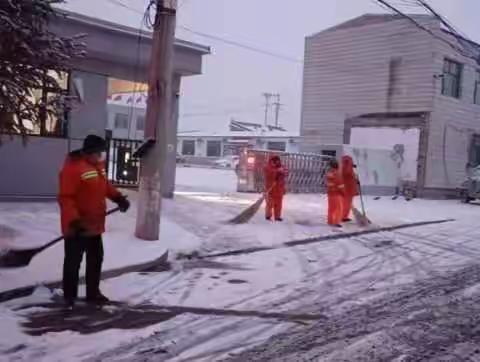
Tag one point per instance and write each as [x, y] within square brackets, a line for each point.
[306, 172]
[122, 168]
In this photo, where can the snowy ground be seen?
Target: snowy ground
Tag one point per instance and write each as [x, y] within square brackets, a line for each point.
[373, 297]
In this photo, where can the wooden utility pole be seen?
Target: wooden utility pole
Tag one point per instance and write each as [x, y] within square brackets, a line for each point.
[159, 106]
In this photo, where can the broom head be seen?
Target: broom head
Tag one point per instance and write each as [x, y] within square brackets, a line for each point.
[360, 217]
[248, 213]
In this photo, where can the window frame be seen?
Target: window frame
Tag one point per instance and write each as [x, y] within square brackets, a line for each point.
[218, 145]
[476, 94]
[115, 119]
[143, 118]
[45, 120]
[276, 149]
[451, 76]
[192, 142]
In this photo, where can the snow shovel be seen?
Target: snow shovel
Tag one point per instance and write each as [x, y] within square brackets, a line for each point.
[22, 258]
[361, 217]
[246, 215]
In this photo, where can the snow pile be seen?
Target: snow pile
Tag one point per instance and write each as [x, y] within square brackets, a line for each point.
[37, 224]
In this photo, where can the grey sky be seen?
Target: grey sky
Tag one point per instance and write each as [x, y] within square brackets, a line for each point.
[234, 78]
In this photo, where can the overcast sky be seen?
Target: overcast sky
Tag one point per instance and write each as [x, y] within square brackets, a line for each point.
[234, 78]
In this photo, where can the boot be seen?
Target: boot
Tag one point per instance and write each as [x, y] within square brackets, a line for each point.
[69, 304]
[99, 298]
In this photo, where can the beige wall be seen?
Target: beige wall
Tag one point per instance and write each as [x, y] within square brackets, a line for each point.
[452, 124]
[352, 71]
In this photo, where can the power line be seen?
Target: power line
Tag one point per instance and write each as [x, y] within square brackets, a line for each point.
[125, 6]
[460, 49]
[241, 45]
[218, 38]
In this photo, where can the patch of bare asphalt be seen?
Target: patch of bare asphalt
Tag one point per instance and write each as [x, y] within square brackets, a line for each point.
[86, 319]
[317, 239]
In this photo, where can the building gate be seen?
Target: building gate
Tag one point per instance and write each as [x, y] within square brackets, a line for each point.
[122, 168]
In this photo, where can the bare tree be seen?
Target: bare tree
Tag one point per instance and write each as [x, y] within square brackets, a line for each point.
[31, 58]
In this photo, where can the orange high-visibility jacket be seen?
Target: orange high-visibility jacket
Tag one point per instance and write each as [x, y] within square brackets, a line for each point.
[83, 191]
[349, 176]
[275, 178]
[335, 184]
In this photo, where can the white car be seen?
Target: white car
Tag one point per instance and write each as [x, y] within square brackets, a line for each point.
[228, 162]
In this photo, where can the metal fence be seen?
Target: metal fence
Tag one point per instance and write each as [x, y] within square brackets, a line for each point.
[122, 167]
[306, 172]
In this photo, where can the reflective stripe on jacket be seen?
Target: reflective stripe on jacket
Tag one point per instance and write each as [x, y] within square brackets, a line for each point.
[83, 191]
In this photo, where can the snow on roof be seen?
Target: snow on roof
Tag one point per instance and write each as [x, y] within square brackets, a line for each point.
[245, 134]
[124, 16]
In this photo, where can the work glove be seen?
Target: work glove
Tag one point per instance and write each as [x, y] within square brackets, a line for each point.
[123, 203]
[76, 228]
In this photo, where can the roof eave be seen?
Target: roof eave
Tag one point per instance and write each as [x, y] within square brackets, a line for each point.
[202, 49]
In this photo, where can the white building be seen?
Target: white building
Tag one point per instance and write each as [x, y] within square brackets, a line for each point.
[218, 145]
[126, 115]
[126, 120]
[380, 80]
[240, 136]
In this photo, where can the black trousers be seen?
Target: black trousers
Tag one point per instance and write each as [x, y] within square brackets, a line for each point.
[74, 249]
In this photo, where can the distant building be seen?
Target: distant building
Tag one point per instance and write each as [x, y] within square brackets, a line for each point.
[240, 136]
[126, 120]
[126, 114]
[378, 80]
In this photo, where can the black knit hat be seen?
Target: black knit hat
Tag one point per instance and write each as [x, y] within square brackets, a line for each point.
[94, 144]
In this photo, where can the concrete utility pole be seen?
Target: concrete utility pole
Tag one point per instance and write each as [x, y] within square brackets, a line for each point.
[277, 106]
[159, 110]
[267, 96]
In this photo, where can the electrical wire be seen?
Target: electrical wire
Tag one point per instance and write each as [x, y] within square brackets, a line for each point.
[241, 45]
[149, 22]
[423, 4]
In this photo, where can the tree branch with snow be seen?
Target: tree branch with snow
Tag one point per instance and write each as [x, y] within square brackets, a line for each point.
[32, 58]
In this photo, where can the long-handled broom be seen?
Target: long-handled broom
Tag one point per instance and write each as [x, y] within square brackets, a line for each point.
[22, 257]
[246, 215]
[361, 217]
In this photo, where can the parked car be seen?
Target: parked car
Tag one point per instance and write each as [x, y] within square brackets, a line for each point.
[181, 159]
[227, 162]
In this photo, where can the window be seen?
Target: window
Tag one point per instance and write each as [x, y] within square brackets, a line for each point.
[474, 158]
[476, 96]
[452, 78]
[330, 153]
[214, 148]
[52, 109]
[140, 123]
[188, 148]
[121, 121]
[276, 146]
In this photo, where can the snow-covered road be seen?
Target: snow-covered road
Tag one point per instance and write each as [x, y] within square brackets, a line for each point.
[328, 300]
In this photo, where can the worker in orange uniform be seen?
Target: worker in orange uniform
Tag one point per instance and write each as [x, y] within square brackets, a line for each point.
[335, 192]
[82, 197]
[275, 175]
[350, 181]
